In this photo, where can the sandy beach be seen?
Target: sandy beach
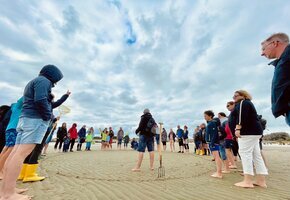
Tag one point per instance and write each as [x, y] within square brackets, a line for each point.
[107, 175]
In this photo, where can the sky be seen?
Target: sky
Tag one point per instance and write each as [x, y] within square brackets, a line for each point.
[177, 58]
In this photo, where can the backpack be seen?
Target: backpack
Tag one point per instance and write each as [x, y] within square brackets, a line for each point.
[262, 121]
[221, 129]
[222, 132]
[150, 127]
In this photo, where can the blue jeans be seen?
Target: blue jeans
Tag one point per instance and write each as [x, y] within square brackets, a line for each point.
[287, 118]
[222, 151]
[88, 145]
[119, 141]
[145, 141]
[157, 136]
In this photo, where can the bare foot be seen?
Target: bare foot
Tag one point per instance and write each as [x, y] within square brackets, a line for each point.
[216, 175]
[16, 196]
[136, 170]
[226, 171]
[20, 190]
[262, 185]
[233, 167]
[152, 168]
[244, 185]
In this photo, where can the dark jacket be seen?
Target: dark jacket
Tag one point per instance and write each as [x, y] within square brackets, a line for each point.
[232, 122]
[249, 120]
[82, 133]
[143, 124]
[280, 92]
[57, 103]
[111, 133]
[185, 135]
[61, 133]
[211, 135]
[37, 94]
[126, 139]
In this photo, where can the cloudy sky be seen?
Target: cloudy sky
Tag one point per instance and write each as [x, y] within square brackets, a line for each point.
[177, 58]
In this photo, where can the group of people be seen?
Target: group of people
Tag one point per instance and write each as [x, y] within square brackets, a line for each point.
[30, 121]
[68, 137]
[240, 133]
[107, 137]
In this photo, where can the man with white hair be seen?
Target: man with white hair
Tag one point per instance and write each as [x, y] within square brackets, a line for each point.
[277, 47]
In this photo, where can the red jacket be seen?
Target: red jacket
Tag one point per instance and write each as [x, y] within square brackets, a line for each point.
[229, 132]
[73, 133]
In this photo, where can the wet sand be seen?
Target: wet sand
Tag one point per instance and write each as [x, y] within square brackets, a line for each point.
[107, 175]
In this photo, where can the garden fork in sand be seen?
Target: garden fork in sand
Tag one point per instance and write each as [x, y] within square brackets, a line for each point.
[161, 169]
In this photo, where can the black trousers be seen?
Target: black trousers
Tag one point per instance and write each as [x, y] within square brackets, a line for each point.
[72, 143]
[235, 147]
[58, 141]
[2, 141]
[32, 158]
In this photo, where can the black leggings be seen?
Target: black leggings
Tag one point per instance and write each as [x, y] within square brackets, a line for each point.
[186, 146]
[72, 143]
[2, 141]
[58, 141]
[79, 147]
[32, 158]
[125, 144]
[235, 148]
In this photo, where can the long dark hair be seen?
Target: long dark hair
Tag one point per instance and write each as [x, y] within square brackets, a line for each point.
[3, 111]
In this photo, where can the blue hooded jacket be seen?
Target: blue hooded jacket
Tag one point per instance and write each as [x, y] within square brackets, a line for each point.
[82, 133]
[211, 134]
[37, 94]
[16, 111]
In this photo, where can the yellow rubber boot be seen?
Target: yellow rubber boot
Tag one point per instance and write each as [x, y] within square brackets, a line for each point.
[197, 152]
[30, 175]
[22, 172]
[201, 152]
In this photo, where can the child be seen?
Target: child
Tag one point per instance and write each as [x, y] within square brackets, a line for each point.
[108, 140]
[51, 129]
[66, 142]
[134, 144]
[104, 138]
[89, 139]
[126, 140]
[185, 139]
[213, 140]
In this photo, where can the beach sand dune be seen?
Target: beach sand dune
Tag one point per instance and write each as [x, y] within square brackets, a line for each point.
[107, 175]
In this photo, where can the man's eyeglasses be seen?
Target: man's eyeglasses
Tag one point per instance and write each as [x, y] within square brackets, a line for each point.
[264, 47]
[228, 106]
